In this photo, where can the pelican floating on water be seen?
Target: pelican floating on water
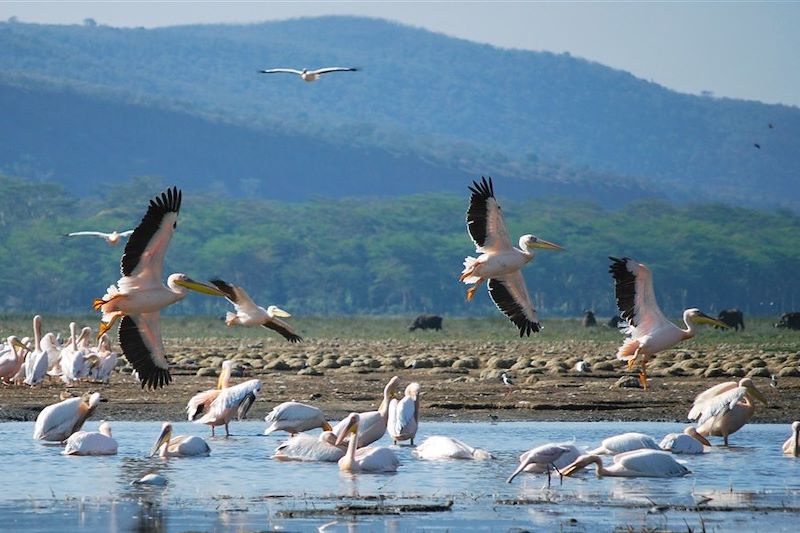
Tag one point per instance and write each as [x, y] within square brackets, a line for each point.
[112, 238]
[723, 409]
[58, 421]
[792, 444]
[295, 417]
[403, 416]
[181, 446]
[372, 424]
[648, 330]
[139, 295]
[98, 442]
[438, 447]
[544, 457]
[200, 403]
[688, 442]
[625, 442]
[500, 262]
[371, 459]
[303, 447]
[231, 401]
[308, 75]
[636, 463]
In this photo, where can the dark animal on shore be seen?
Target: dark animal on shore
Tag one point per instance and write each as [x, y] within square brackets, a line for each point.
[426, 322]
[589, 321]
[789, 321]
[733, 317]
[614, 321]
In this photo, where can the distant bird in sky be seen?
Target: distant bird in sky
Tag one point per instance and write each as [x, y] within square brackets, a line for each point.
[112, 238]
[757, 145]
[308, 75]
[770, 125]
[500, 262]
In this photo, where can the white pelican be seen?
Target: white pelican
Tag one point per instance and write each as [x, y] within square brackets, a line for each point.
[200, 403]
[723, 409]
[372, 424]
[308, 75]
[103, 361]
[625, 442]
[648, 330]
[792, 444]
[371, 459]
[98, 442]
[688, 442]
[58, 421]
[230, 401]
[151, 479]
[249, 314]
[303, 447]
[295, 417]
[500, 262]
[569, 456]
[12, 359]
[112, 238]
[636, 463]
[181, 446]
[438, 447]
[73, 359]
[543, 456]
[403, 417]
[139, 295]
[36, 362]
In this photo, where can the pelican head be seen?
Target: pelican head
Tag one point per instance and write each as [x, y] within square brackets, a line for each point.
[105, 428]
[14, 342]
[582, 462]
[692, 432]
[328, 437]
[529, 241]
[182, 280]
[752, 391]
[350, 428]
[274, 310]
[163, 439]
[699, 317]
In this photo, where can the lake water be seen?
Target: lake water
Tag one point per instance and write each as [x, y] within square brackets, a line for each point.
[750, 486]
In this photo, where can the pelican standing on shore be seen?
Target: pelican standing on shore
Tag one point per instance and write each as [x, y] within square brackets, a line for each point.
[37, 360]
[308, 75]
[58, 421]
[295, 417]
[180, 446]
[725, 408]
[12, 359]
[112, 238]
[373, 459]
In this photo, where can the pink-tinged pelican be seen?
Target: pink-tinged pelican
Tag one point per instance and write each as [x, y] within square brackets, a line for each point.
[438, 447]
[181, 446]
[58, 421]
[500, 262]
[403, 419]
[372, 459]
[792, 444]
[36, 362]
[539, 468]
[636, 463]
[544, 456]
[249, 314]
[98, 442]
[625, 442]
[12, 359]
[308, 75]
[200, 403]
[689, 442]
[231, 401]
[303, 447]
[112, 238]
[295, 417]
[723, 409]
[372, 424]
[140, 295]
[648, 330]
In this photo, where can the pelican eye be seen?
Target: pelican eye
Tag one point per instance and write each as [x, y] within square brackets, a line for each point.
[174, 225]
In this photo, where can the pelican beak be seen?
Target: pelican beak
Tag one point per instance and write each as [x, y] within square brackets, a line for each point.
[578, 464]
[701, 439]
[519, 469]
[18, 343]
[752, 390]
[244, 407]
[166, 433]
[351, 427]
[702, 318]
[545, 245]
[197, 286]
[223, 377]
[326, 427]
[277, 311]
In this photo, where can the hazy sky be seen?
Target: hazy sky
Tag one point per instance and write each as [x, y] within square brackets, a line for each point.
[738, 49]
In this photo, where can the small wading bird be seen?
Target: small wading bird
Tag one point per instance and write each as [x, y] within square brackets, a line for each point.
[58, 421]
[438, 447]
[372, 459]
[723, 409]
[637, 463]
[648, 330]
[294, 418]
[181, 446]
[792, 445]
[308, 75]
[544, 456]
[112, 238]
[500, 263]
[140, 295]
[403, 418]
[98, 442]
[249, 314]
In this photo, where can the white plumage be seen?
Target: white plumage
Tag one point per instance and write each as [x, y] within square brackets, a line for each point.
[438, 447]
[295, 417]
[725, 408]
[232, 400]
[58, 421]
[625, 443]
[543, 456]
[98, 442]
[403, 416]
[304, 447]
[636, 463]
[181, 446]
[370, 459]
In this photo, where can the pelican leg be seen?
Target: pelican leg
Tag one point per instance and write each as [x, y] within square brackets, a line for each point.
[212, 431]
[227, 433]
[105, 326]
[471, 290]
[725, 441]
[560, 475]
[412, 441]
[643, 374]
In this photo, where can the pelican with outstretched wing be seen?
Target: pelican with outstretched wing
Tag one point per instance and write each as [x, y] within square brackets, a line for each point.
[500, 262]
[725, 408]
[308, 75]
[648, 330]
[112, 238]
[140, 295]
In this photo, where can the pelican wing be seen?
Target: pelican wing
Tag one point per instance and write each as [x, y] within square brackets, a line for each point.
[92, 233]
[714, 391]
[636, 299]
[144, 252]
[717, 405]
[485, 222]
[236, 295]
[650, 463]
[401, 416]
[199, 403]
[283, 328]
[511, 296]
[293, 411]
[55, 422]
[231, 397]
[281, 70]
[140, 338]
[126, 233]
[333, 69]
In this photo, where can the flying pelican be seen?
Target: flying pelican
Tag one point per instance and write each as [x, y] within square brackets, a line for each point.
[232, 400]
[303, 447]
[792, 444]
[625, 442]
[36, 362]
[249, 314]
[98, 442]
[723, 409]
[58, 421]
[500, 262]
[648, 330]
[688, 442]
[12, 359]
[544, 456]
[295, 417]
[308, 75]
[403, 417]
[636, 463]
[371, 459]
[372, 424]
[200, 403]
[112, 238]
[181, 446]
[139, 295]
[438, 447]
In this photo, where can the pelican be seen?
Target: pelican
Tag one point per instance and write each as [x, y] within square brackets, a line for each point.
[648, 330]
[104, 361]
[723, 409]
[688, 442]
[569, 456]
[249, 314]
[543, 456]
[500, 262]
[181, 446]
[139, 295]
[12, 359]
[112, 238]
[792, 444]
[98, 442]
[231, 400]
[295, 417]
[73, 359]
[303, 447]
[636, 463]
[403, 416]
[151, 479]
[438, 447]
[58, 421]
[625, 442]
[372, 459]
[37, 360]
[200, 403]
[308, 75]
[372, 424]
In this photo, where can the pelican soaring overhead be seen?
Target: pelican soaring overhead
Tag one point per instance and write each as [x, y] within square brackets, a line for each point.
[500, 262]
[308, 75]
[112, 238]
[249, 314]
[648, 330]
[140, 295]
[723, 409]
